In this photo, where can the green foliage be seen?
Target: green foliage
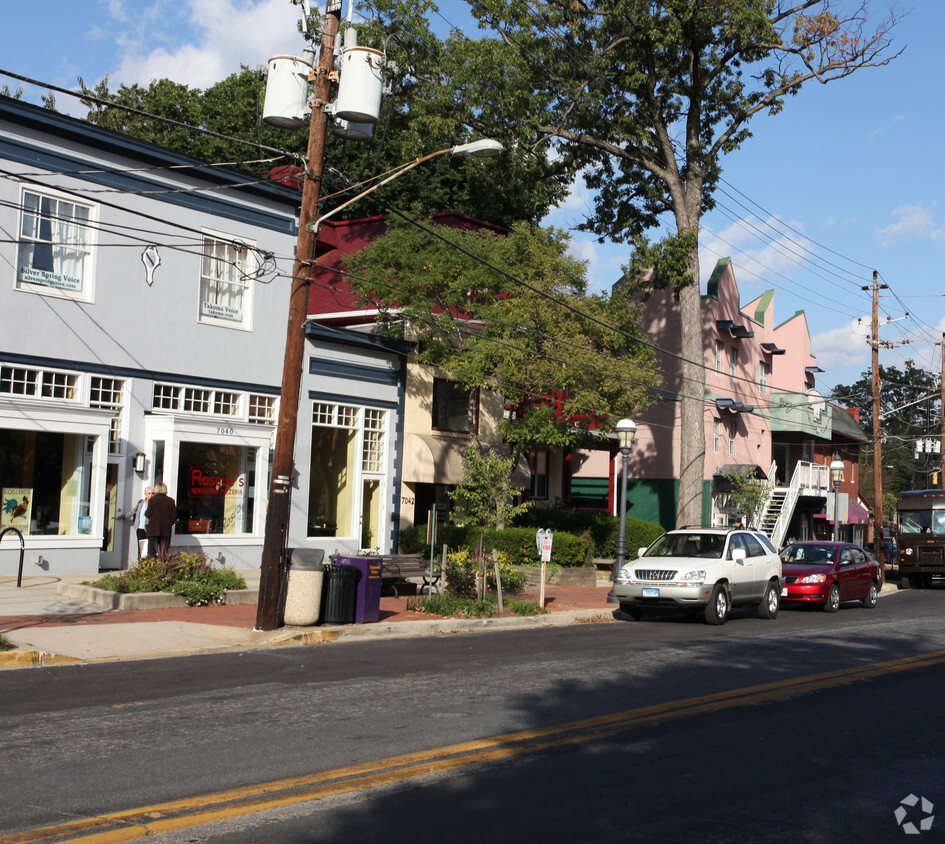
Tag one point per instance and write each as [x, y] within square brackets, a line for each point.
[517, 544]
[905, 418]
[417, 120]
[748, 494]
[4, 644]
[579, 536]
[484, 497]
[461, 568]
[182, 573]
[452, 606]
[567, 358]
[600, 529]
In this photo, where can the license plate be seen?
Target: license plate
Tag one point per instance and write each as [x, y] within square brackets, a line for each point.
[649, 592]
[784, 592]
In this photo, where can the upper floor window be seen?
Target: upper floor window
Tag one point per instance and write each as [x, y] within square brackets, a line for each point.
[106, 393]
[718, 356]
[538, 463]
[716, 436]
[732, 362]
[732, 433]
[225, 291]
[54, 252]
[452, 406]
[38, 383]
[763, 373]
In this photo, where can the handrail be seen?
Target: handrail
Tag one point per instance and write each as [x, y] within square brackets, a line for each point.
[19, 533]
[815, 476]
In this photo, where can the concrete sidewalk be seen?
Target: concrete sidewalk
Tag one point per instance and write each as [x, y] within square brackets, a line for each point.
[49, 626]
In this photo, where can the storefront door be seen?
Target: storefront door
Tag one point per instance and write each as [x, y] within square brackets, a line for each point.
[115, 531]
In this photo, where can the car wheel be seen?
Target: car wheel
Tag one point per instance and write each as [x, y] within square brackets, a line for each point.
[632, 610]
[832, 604]
[716, 612]
[768, 608]
[872, 596]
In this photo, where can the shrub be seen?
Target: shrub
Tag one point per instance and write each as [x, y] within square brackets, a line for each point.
[4, 644]
[518, 544]
[452, 606]
[182, 573]
[461, 575]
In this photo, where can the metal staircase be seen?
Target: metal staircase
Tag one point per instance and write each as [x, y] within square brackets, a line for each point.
[779, 508]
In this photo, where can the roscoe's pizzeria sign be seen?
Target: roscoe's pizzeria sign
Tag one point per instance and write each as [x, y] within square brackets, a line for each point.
[210, 481]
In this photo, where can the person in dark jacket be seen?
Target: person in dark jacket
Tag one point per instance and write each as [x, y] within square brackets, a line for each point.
[161, 517]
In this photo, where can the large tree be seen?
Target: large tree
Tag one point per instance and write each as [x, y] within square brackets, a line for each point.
[417, 118]
[512, 312]
[910, 405]
[645, 98]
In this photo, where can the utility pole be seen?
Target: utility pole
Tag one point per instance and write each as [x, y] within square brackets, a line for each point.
[877, 432]
[283, 457]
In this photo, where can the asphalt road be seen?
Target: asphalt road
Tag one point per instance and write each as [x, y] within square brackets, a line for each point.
[812, 727]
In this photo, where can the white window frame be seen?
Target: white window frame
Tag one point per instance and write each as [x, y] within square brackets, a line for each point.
[732, 362]
[57, 283]
[732, 433]
[719, 346]
[764, 372]
[225, 270]
[716, 436]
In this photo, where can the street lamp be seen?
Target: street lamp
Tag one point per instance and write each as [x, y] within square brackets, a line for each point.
[485, 148]
[836, 475]
[283, 456]
[625, 429]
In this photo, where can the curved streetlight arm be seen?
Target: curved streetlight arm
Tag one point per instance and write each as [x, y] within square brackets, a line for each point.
[485, 148]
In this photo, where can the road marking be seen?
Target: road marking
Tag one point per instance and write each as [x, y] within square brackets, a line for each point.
[134, 824]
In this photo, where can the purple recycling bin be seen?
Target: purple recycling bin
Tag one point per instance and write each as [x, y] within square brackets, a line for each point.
[367, 601]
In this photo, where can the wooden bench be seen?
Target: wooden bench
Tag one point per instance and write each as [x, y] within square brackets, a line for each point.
[400, 568]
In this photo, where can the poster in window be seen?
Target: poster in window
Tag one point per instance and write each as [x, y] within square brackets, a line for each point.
[17, 507]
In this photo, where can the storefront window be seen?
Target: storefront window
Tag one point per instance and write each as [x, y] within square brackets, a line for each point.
[215, 488]
[331, 494]
[45, 482]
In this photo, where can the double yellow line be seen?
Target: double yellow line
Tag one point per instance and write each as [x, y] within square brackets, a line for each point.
[134, 824]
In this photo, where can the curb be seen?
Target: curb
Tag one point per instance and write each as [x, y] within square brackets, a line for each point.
[34, 659]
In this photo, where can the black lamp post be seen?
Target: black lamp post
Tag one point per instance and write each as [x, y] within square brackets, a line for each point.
[626, 428]
[836, 475]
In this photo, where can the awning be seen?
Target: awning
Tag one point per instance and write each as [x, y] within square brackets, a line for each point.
[753, 470]
[429, 459]
[857, 514]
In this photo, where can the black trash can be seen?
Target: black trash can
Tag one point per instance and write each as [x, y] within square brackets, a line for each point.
[341, 589]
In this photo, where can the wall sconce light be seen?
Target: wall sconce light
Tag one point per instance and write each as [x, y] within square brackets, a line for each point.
[138, 461]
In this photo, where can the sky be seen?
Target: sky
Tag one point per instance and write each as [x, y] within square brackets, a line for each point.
[846, 181]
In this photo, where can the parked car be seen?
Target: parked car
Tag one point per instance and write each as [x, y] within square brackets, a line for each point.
[707, 570]
[827, 573]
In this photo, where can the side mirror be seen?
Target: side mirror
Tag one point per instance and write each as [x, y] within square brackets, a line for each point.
[641, 552]
[739, 554]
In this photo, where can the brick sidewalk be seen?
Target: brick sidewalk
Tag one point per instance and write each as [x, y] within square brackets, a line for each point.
[557, 599]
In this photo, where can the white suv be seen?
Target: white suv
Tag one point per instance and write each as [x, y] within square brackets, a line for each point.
[707, 570]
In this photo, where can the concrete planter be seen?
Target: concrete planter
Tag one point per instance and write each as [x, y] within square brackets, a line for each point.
[143, 600]
[583, 576]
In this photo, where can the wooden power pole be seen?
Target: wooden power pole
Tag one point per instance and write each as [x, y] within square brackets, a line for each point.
[877, 431]
[268, 608]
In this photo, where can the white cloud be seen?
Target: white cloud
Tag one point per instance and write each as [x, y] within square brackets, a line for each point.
[758, 249]
[841, 353]
[912, 221]
[201, 42]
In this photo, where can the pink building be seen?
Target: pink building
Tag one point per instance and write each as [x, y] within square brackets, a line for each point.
[762, 412]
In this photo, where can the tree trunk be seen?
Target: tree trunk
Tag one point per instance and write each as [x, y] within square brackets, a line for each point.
[692, 389]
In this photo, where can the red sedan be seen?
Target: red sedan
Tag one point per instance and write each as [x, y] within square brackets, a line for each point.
[827, 573]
